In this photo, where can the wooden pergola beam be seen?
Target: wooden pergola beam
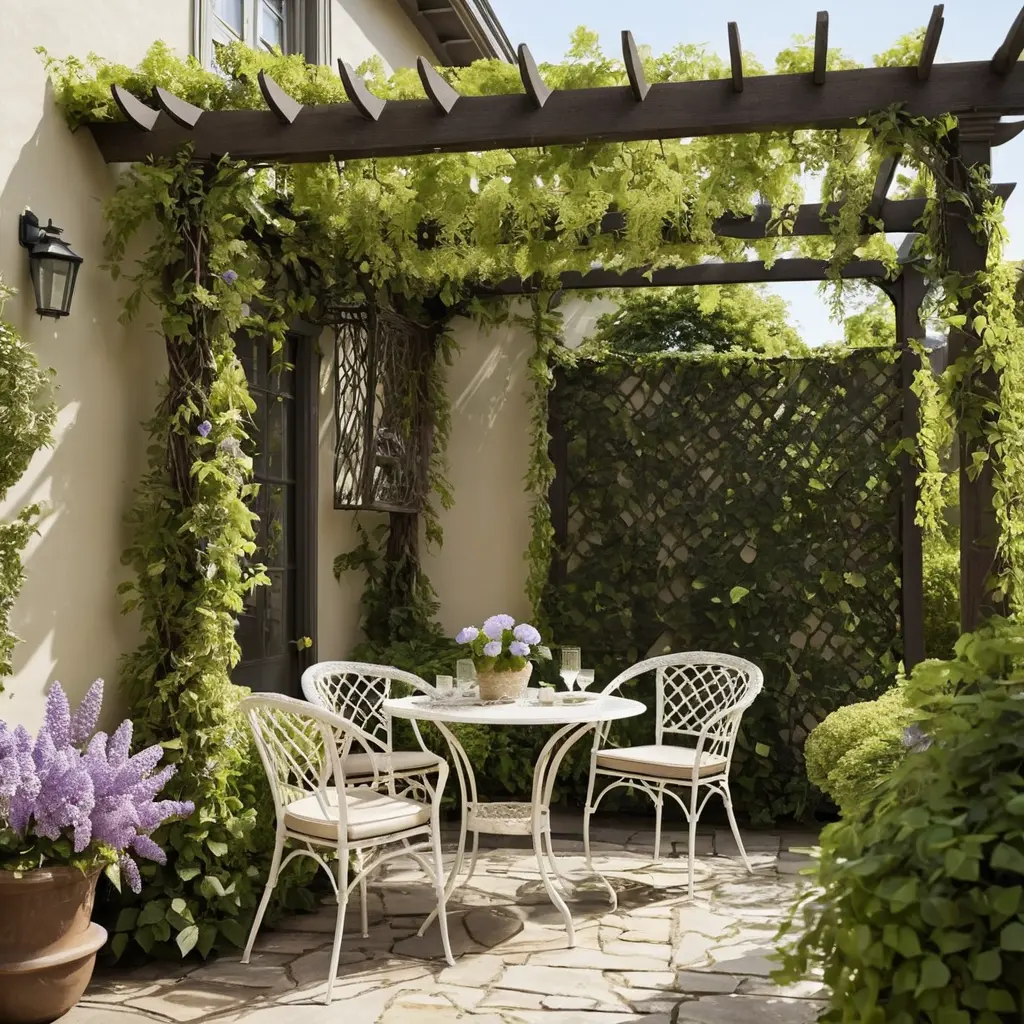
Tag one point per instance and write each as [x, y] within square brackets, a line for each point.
[567, 117]
[931, 42]
[753, 272]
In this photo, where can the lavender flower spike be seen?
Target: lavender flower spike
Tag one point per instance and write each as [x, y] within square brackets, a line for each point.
[87, 714]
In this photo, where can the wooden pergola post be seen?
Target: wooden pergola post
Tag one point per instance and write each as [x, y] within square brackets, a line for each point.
[979, 528]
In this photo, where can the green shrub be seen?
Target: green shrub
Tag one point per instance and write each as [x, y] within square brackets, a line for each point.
[857, 746]
[941, 595]
[919, 914]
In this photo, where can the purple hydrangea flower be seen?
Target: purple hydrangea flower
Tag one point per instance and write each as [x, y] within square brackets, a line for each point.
[526, 633]
[204, 428]
[493, 649]
[519, 649]
[467, 635]
[229, 277]
[496, 625]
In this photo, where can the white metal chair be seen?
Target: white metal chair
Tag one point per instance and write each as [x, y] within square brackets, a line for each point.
[357, 691]
[700, 698]
[304, 750]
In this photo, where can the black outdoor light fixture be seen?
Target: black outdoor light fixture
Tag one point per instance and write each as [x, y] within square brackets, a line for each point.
[52, 264]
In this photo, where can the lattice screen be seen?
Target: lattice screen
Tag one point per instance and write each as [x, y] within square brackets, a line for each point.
[744, 506]
[379, 453]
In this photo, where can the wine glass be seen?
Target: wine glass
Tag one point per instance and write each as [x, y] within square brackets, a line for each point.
[570, 666]
[585, 678]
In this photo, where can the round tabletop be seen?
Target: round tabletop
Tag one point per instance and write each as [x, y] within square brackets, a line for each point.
[600, 709]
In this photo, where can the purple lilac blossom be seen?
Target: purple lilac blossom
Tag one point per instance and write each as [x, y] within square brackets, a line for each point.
[527, 634]
[519, 649]
[204, 428]
[229, 277]
[467, 635]
[493, 649]
[496, 625]
[52, 787]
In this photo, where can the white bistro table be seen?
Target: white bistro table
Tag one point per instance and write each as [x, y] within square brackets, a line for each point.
[533, 818]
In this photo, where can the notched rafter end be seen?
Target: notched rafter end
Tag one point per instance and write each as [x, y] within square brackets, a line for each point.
[736, 56]
[931, 43]
[1007, 55]
[438, 91]
[370, 106]
[140, 115]
[178, 110]
[536, 88]
[286, 108]
[634, 67]
[820, 47]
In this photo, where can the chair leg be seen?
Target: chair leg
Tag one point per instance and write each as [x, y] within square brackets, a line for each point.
[727, 797]
[339, 924]
[439, 885]
[363, 916]
[275, 866]
[692, 849]
[658, 804]
[588, 809]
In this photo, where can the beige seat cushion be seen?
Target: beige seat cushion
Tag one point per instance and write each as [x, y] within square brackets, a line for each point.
[370, 814]
[660, 761]
[360, 765]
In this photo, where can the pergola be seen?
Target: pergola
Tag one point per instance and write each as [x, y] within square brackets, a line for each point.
[978, 93]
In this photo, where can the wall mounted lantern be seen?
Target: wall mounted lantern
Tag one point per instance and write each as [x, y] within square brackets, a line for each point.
[52, 264]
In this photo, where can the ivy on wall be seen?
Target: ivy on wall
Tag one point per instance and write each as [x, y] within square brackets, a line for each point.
[27, 419]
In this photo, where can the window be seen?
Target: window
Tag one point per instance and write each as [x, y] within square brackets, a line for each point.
[295, 26]
[283, 447]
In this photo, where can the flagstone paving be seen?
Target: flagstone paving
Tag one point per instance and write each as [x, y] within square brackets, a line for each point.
[660, 958]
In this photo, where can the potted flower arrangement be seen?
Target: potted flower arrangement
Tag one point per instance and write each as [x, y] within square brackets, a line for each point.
[503, 653]
[73, 803]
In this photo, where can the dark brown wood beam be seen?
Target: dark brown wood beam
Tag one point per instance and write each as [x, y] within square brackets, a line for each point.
[820, 47]
[284, 107]
[736, 57]
[883, 182]
[754, 272]
[535, 86]
[931, 42]
[572, 116]
[1007, 54]
[634, 67]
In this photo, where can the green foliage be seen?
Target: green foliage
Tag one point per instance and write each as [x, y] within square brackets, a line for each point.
[715, 319]
[941, 595]
[27, 418]
[191, 550]
[857, 746]
[919, 910]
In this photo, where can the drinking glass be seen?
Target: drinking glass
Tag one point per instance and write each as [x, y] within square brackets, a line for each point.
[465, 673]
[444, 685]
[585, 678]
[570, 666]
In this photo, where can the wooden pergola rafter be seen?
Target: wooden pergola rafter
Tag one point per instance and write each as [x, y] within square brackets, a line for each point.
[978, 93]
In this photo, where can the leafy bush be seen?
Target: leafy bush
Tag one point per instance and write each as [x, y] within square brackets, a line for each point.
[920, 911]
[857, 746]
[941, 595]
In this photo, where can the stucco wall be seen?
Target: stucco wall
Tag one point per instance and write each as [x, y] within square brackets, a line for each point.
[362, 28]
[480, 570]
[68, 613]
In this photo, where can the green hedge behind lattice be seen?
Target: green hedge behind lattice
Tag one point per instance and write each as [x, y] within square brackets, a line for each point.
[737, 504]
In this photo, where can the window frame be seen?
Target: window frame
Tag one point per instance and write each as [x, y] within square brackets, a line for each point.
[307, 28]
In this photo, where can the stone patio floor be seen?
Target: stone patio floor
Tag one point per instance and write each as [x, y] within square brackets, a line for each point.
[660, 959]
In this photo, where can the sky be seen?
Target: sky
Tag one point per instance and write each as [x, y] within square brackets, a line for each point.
[861, 28]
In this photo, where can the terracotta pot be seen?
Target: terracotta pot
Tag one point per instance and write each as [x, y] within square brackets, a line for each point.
[504, 685]
[48, 943]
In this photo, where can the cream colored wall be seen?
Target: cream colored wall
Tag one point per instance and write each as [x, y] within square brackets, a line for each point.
[480, 570]
[362, 28]
[68, 614]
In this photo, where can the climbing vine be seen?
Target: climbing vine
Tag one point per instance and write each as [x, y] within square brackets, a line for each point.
[27, 418]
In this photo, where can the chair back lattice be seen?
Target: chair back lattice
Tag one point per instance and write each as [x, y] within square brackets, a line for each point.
[701, 695]
[302, 748]
[357, 692]
[379, 454]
